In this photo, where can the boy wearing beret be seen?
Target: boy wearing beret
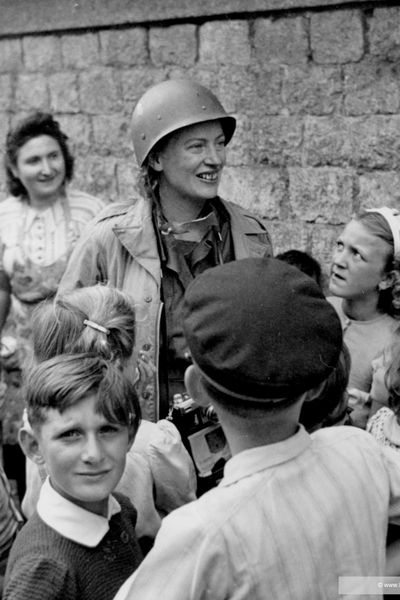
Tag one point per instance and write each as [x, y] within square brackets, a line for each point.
[294, 512]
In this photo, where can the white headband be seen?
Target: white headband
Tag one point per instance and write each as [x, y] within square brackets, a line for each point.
[392, 216]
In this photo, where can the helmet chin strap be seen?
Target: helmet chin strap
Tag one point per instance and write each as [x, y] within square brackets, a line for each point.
[392, 217]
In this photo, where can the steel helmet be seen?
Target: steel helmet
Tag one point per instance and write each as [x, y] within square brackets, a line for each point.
[170, 105]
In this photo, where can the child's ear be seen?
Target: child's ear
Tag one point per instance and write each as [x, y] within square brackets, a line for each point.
[30, 445]
[194, 386]
[314, 393]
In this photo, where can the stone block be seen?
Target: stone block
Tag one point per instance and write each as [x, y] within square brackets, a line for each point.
[323, 240]
[371, 86]
[379, 188]
[63, 88]
[384, 33]
[111, 135]
[288, 234]
[278, 140]
[79, 131]
[312, 89]
[242, 149]
[173, 45]
[337, 36]
[31, 92]
[127, 173]
[126, 47]
[99, 91]
[208, 75]
[259, 190]
[42, 53]
[80, 51]
[225, 43]
[6, 92]
[327, 141]
[376, 142]
[253, 90]
[282, 41]
[97, 175]
[136, 81]
[11, 55]
[4, 127]
[371, 142]
[322, 195]
[267, 90]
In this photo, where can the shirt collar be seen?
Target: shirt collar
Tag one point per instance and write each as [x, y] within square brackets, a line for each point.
[260, 458]
[51, 215]
[72, 521]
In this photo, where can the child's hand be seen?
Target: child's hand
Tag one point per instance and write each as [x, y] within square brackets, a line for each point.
[146, 369]
[359, 401]
[357, 397]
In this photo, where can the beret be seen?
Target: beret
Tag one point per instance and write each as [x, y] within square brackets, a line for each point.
[260, 329]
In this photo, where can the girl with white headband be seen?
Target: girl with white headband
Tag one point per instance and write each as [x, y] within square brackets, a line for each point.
[365, 283]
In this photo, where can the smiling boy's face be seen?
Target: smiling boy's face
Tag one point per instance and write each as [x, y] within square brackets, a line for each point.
[84, 453]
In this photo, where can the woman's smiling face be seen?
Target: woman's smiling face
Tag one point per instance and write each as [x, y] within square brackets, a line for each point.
[359, 262]
[40, 166]
[191, 162]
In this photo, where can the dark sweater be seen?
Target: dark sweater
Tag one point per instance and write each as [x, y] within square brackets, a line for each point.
[43, 565]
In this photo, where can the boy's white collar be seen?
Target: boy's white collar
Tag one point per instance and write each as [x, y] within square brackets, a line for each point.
[72, 521]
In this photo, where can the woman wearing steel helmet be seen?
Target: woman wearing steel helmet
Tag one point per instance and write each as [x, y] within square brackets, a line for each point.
[173, 229]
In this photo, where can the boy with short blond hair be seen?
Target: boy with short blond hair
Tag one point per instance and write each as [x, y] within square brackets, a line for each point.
[81, 542]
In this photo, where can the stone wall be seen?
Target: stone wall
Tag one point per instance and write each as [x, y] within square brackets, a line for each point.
[316, 92]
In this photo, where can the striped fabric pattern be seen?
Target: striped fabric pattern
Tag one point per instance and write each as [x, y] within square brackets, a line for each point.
[286, 521]
[45, 237]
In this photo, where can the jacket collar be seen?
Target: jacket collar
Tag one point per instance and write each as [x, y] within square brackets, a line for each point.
[135, 231]
[244, 229]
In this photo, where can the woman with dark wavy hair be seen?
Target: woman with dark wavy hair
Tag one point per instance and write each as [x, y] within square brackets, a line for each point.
[39, 224]
[365, 282]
